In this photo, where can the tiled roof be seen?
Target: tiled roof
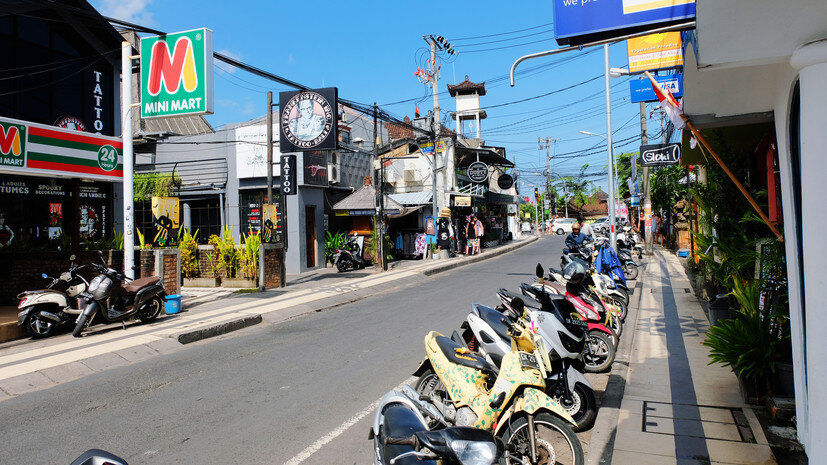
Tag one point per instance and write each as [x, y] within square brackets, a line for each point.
[467, 87]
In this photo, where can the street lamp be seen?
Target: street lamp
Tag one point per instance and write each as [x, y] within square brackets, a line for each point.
[612, 221]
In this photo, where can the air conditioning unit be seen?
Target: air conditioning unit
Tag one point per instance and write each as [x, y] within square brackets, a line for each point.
[334, 167]
[409, 175]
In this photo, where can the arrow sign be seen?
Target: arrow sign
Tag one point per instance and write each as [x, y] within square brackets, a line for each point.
[660, 154]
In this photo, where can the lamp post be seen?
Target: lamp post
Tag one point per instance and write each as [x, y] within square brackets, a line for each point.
[612, 220]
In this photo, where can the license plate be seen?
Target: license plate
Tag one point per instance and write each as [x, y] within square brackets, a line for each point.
[576, 322]
[529, 361]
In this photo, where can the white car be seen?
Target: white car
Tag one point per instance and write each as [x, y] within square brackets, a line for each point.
[525, 227]
[562, 225]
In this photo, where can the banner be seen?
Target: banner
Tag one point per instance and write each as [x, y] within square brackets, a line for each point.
[272, 231]
[165, 217]
[660, 154]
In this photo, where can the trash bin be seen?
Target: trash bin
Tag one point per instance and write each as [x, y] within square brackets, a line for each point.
[173, 304]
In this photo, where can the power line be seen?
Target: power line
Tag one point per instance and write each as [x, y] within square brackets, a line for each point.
[456, 39]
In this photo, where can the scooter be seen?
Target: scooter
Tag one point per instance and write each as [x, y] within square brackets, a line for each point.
[630, 267]
[509, 401]
[98, 457]
[401, 435]
[350, 256]
[43, 311]
[114, 297]
[562, 337]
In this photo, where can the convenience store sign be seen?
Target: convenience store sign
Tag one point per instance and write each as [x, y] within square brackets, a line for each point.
[38, 149]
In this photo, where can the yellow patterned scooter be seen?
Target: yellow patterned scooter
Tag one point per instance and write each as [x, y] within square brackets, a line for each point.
[510, 402]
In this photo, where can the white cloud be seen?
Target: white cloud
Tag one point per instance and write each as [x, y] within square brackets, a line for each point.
[290, 58]
[133, 11]
[224, 67]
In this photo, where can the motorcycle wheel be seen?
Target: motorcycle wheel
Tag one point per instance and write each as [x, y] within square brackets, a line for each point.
[342, 265]
[616, 326]
[624, 309]
[600, 354]
[630, 270]
[583, 408]
[556, 442]
[151, 309]
[39, 327]
[80, 326]
[429, 383]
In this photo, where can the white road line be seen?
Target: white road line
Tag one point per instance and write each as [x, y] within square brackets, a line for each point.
[316, 446]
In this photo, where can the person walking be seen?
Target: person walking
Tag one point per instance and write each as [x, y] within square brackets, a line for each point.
[471, 235]
[480, 231]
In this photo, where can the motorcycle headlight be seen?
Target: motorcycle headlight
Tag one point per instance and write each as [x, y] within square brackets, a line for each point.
[474, 452]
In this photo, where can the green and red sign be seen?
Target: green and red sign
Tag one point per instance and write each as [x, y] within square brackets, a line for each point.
[38, 149]
[177, 74]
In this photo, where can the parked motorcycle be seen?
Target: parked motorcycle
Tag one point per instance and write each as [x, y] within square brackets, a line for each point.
[43, 311]
[98, 457]
[509, 401]
[401, 435]
[350, 256]
[630, 267]
[114, 297]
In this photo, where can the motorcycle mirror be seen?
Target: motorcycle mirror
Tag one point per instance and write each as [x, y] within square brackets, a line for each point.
[44, 275]
[72, 257]
[498, 401]
[96, 456]
[539, 271]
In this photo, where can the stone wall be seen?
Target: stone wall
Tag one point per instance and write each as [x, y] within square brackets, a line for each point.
[204, 269]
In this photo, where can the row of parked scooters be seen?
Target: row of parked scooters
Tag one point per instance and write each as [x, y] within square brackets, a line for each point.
[509, 384]
[72, 299]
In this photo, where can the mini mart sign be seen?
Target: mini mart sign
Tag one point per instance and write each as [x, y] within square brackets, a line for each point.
[38, 149]
[177, 74]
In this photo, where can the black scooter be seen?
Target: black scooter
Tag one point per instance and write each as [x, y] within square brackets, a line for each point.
[350, 256]
[114, 297]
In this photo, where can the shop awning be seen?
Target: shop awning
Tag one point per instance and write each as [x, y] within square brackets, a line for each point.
[468, 155]
[363, 203]
[500, 199]
[413, 198]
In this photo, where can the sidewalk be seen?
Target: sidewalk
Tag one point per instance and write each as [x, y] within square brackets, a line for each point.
[666, 405]
[28, 365]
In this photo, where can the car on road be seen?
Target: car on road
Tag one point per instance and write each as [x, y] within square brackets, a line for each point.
[562, 225]
[601, 225]
[525, 227]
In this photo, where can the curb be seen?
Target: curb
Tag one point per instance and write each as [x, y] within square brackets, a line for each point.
[332, 302]
[601, 445]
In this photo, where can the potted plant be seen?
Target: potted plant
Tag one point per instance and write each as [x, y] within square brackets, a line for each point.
[332, 242]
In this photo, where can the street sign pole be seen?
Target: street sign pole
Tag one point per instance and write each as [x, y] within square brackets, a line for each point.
[126, 135]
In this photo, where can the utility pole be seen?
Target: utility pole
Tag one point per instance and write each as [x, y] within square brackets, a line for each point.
[548, 166]
[435, 119]
[269, 122]
[647, 201]
[612, 219]
[380, 195]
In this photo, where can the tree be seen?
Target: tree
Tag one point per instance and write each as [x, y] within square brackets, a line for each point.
[527, 208]
[623, 163]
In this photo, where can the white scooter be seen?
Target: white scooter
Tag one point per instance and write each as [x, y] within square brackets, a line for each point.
[44, 310]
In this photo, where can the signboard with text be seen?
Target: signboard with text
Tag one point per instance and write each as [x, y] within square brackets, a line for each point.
[642, 91]
[660, 154]
[315, 168]
[578, 21]
[655, 51]
[288, 175]
[177, 74]
[308, 120]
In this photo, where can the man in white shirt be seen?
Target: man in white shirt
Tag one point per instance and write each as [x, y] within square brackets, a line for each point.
[585, 228]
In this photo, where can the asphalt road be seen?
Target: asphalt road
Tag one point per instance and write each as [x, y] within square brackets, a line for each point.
[297, 392]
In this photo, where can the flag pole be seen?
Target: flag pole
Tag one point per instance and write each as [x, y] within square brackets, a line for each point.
[723, 165]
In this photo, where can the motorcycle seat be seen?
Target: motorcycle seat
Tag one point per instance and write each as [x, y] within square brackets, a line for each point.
[528, 300]
[493, 319]
[136, 285]
[462, 357]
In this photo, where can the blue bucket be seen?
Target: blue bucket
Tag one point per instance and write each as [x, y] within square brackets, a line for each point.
[173, 304]
[683, 253]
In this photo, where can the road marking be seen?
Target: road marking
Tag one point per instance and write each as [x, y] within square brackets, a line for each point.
[316, 446]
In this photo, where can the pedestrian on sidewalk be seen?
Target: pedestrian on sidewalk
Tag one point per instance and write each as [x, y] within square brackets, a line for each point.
[471, 234]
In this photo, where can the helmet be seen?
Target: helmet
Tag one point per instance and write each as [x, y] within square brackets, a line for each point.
[575, 270]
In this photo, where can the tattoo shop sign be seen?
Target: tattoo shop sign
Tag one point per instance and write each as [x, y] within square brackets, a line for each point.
[660, 154]
[308, 120]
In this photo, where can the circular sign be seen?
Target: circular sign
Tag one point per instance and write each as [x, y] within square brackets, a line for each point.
[70, 122]
[478, 171]
[505, 181]
[107, 158]
[307, 120]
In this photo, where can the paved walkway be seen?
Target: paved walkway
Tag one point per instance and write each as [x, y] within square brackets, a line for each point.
[28, 365]
[675, 407]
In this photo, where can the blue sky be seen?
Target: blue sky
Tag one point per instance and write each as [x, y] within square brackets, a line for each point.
[370, 50]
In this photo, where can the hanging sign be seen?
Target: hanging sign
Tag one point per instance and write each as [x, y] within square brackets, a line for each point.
[177, 74]
[505, 181]
[288, 174]
[315, 168]
[642, 91]
[165, 218]
[308, 120]
[478, 172]
[272, 231]
[660, 154]
[462, 201]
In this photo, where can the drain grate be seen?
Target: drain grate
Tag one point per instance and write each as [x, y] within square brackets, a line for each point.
[698, 421]
[687, 290]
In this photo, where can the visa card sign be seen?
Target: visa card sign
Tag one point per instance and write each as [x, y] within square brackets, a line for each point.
[642, 91]
[576, 21]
